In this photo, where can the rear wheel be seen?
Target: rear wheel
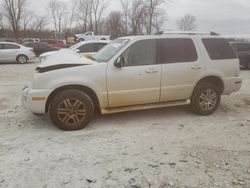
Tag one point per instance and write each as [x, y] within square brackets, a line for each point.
[22, 59]
[206, 99]
[71, 110]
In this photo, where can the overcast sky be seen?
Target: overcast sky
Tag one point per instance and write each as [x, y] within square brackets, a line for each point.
[222, 16]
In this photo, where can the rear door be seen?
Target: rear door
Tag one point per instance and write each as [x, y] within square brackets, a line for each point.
[181, 68]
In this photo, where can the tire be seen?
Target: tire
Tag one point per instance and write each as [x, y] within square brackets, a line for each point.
[206, 99]
[22, 59]
[71, 110]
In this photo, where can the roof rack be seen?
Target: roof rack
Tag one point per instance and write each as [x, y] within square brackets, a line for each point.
[185, 33]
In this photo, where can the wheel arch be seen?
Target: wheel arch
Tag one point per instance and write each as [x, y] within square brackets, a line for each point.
[90, 92]
[217, 81]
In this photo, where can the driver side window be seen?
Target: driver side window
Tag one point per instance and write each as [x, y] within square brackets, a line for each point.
[140, 53]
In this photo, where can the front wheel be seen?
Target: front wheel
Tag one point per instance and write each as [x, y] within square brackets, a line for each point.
[206, 99]
[71, 110]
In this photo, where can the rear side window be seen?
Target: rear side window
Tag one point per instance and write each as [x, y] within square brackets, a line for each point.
[176, 50]
[87, 48]
[219, 48]
[10, 46]
[99, 46]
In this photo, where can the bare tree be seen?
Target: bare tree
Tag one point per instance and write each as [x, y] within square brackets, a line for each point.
[154, 14]
[137, 12]
[83, 13]
[72, 16]
[27, 18]
[98, 8]
[115, 24]
[125, 9]
[1, 22]
[58, 11]
[187, 23]
[90, 14]
[39, 23]
[14, 11]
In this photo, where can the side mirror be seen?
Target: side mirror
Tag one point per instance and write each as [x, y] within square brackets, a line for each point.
[77, 51]
[119, 62]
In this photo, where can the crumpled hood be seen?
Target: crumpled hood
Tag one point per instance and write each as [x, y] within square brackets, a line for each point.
[65, 57]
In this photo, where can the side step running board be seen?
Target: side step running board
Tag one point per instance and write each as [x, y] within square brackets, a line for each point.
[144, 107]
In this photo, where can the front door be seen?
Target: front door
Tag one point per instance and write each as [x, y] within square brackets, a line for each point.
[138, 80]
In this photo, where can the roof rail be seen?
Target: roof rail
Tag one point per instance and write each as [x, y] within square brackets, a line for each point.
[185, 33]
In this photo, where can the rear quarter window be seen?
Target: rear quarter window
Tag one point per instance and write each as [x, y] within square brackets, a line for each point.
[219, 48]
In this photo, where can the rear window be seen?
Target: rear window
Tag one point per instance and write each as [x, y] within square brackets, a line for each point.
[219, 48]
[176, 50]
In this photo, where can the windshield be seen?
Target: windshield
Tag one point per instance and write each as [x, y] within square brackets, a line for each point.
[106, 53]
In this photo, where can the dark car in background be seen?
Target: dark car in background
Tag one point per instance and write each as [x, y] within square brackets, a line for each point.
[243, 51]
[55, 43]
[40, 47]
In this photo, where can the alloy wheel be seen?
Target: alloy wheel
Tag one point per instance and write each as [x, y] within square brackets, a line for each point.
[71, 111]
[208, 100]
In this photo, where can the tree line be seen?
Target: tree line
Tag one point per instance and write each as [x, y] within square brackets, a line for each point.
[135, 17]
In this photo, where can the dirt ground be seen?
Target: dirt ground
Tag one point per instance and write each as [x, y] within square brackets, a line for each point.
[168, 147]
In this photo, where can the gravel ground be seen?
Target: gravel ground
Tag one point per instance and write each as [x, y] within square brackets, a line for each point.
[168, 147]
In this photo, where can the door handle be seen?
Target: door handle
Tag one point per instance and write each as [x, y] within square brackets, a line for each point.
[196, 67]
[149, 71]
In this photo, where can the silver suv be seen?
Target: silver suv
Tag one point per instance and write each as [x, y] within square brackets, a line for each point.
[134, 73]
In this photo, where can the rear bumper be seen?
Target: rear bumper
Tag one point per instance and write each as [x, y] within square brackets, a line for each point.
[232, 85]
[35, 100]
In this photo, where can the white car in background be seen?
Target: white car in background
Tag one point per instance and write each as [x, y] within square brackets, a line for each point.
[85, 48]
[91, 36]
[12, 52]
